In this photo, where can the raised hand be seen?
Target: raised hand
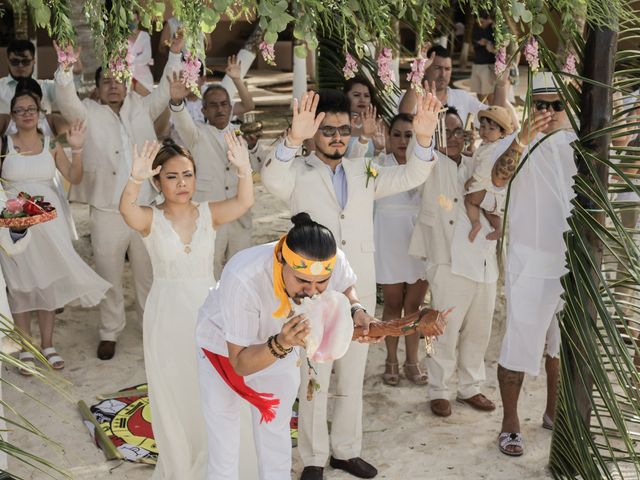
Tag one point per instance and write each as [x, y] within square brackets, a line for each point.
[369, 124]
[426, 118]
[380, 138]
[238, 153]
[177, 87]
[142, 162]
[67, 55]
[305, 123]
[233, 67]
[294, 332]
[534, 125]
[76, 134]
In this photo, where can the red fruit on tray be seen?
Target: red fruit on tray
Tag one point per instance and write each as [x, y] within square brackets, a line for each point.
[30, 208]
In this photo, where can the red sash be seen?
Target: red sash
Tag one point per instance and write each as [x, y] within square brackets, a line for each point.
[266, 403]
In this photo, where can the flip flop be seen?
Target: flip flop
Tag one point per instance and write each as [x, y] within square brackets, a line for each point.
[30, 360]
[54, 358]
[507, 439]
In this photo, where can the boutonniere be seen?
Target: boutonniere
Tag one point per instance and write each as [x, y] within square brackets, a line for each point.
[370, 172]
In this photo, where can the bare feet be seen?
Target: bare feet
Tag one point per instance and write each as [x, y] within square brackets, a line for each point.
[495, 235]
[475, 228]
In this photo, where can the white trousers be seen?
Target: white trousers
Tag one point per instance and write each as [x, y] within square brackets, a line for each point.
[466, 336]
[111, 239]
[532, 306]
[222, 411]
[230, 239]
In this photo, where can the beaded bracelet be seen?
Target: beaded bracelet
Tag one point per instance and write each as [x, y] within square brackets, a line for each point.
[280, 347]
[272, 350]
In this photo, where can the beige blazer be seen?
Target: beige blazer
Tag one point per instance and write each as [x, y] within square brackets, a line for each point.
[216, 178]
[110, 137]
[305, 184]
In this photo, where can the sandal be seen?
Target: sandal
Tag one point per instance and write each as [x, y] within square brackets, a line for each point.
[30, 361]
[506, 440]
[55, 360]
[547, 422]
[391, 375]
[418, 377]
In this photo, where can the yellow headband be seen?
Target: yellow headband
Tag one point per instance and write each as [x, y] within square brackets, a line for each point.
[299, 264]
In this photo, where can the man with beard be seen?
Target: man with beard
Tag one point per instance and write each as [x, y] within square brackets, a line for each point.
[216, 179]
[21, 62]
[115, 122]
[340, 193]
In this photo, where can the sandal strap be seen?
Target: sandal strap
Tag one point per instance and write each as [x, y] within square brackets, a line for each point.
[514, 439]
[26, 356]
[52, 356]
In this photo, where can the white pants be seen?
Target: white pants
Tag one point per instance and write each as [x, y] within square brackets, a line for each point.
[111, 239]
[230, 239]
[466, 336]
[222, 412]
[532, 305]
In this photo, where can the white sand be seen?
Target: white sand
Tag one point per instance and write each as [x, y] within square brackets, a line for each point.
[402, 438]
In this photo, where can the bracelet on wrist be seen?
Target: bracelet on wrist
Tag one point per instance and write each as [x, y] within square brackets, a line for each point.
[135, 180]
[76, 150]
[246, 174]
[518, 142]
[365, 138]
[273, 350]
[355, 307]
[280, 347]
[176, 107]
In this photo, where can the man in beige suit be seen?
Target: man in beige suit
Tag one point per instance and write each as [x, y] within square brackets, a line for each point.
[116, 122]
[216, 180]
[339, 193]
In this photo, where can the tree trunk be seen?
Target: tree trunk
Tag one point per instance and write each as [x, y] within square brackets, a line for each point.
[599, 54]
[469, 21]
[84, 40]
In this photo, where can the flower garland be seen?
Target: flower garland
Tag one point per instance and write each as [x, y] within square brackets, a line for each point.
[385, 72]
[120, 65]
[501, 61]
[268, 52]
[532, 53]
[66, 56]
[191, 71]
[350, 67]
[416, 74]
[569, 66]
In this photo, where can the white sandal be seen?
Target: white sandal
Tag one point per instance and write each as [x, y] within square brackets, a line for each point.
[27, 358]
[54, 358]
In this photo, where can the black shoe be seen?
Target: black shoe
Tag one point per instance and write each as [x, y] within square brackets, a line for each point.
[106, 350]
[312, 473]
[355, 466]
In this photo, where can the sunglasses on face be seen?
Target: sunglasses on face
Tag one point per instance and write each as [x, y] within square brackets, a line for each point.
[329, 131]
[556, 105]
[16, 62]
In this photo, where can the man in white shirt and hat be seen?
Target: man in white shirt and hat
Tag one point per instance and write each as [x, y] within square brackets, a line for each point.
[537, 213]
[340, 193]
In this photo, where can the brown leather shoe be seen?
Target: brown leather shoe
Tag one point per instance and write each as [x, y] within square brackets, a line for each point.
[312, 473]
[479, 402]
[355, 466]
[440, 407]
[106, 350]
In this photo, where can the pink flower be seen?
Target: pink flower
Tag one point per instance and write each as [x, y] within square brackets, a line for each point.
[120, 65]
[14, 205]
[417, 73]
[191, 71]
[570, 64]
[350, 67]
[268, 53]
[66, 56]
[385, 73]
[531, 53]
[501, 61]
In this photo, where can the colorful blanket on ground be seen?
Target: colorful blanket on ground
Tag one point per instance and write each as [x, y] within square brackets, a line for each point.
[126, 420]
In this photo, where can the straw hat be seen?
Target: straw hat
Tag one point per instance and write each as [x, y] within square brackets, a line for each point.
[499, 115]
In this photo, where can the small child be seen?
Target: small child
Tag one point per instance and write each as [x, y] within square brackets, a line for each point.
[495, 123]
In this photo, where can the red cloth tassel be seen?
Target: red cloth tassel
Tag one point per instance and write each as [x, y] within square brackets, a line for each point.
[266, 403]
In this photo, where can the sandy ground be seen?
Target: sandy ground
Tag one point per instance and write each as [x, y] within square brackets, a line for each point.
[402, 438]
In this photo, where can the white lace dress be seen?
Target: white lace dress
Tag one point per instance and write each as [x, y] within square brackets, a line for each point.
[49, 274]
[182, 277]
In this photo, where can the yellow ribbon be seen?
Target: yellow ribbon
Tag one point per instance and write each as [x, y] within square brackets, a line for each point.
[299, 264]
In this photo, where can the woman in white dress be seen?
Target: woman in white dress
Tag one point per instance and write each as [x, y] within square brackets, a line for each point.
[180, 236]
[401, 275]
[140, 48]
[49, 274]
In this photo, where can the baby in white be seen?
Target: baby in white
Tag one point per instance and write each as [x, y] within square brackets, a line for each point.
[495, 124]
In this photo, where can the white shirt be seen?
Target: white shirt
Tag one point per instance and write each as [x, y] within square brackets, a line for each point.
[8, 90]
[465, 103]
[239, 309]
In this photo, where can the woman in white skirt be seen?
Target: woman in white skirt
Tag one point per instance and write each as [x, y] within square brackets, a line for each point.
[402, 276]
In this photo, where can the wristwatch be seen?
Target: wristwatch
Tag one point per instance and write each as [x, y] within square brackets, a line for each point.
[355, 307]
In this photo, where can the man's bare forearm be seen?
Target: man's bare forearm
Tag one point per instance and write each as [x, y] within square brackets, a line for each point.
[506, 165]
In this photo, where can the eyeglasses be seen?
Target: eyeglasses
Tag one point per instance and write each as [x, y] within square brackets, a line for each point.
[23, 111]
[329, 131]
[557, 105]
[16, 62]
[457, 133]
